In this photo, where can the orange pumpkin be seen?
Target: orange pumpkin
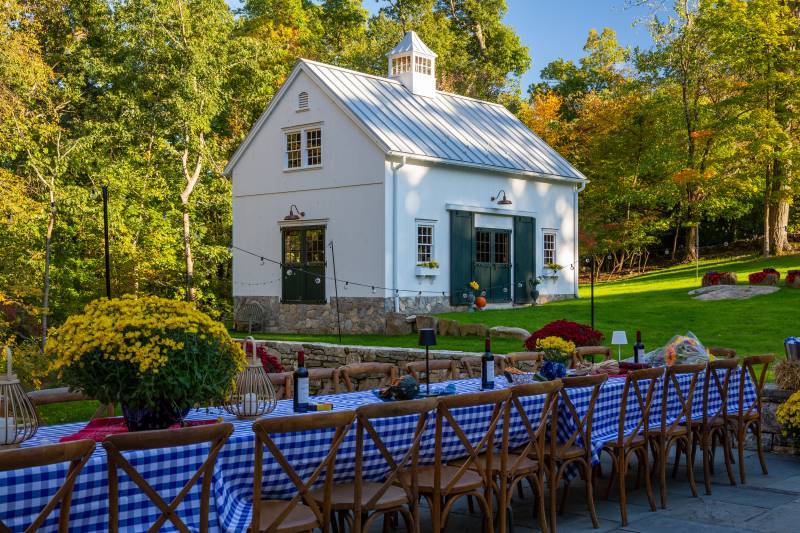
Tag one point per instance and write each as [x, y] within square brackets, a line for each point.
[480, 302]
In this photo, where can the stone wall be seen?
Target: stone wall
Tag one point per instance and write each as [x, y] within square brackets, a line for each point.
[771, 439]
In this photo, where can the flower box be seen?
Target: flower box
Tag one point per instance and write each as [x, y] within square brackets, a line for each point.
[426, 271]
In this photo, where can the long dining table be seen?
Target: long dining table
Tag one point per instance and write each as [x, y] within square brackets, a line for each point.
[24, 492]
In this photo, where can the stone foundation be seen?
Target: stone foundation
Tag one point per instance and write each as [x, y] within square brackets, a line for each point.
[357, 315]
[772, 439]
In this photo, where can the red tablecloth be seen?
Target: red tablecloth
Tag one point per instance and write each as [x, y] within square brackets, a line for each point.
[100, 428]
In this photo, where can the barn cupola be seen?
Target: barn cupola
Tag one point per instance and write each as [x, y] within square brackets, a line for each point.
[414, 65]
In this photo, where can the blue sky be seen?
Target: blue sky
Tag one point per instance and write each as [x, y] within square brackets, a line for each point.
[558, 28]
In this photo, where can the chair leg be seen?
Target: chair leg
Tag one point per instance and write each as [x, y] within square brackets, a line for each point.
[648, 482]
[587, 468]
[564, 495]
[470, 505]
[663, 449]
[714, 437]
[706, 466]
[677, 462]
[553, 478]
[622, 466]
[539, 490]
[726, 448]
[760, 448]
[741, 434]
[690, 464]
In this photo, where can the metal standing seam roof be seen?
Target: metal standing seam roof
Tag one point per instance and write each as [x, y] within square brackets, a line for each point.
[449, 127]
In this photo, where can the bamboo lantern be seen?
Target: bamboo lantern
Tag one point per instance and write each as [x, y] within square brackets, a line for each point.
[18, 420]
[253, 395]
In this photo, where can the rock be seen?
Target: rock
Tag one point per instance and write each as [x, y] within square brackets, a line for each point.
[473, 330]
[449, 327]
[396, 324]
[731, 292]
[506, 332]
[426, 322]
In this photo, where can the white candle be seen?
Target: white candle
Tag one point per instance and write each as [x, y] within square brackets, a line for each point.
[250, 404]
[8, 430]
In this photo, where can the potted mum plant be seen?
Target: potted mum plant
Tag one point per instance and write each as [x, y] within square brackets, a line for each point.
[156, 357]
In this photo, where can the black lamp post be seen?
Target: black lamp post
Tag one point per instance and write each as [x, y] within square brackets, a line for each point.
[427, 338]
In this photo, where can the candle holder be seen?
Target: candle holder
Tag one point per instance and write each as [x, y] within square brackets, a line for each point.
[253, 395]
[18, 420]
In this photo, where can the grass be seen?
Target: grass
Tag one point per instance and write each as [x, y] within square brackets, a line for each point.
[63, 413]
[656, 303]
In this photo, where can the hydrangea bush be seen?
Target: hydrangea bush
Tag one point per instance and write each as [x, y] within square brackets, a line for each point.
[142, 351]
[579, 334]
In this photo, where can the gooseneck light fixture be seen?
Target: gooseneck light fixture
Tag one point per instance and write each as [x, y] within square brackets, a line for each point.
[294, 213]
[501, 199]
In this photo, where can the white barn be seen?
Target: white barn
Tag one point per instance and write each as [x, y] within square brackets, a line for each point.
[393, 177]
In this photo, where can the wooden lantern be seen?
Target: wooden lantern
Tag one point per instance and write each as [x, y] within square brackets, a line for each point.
[253, 395]
[18, 420]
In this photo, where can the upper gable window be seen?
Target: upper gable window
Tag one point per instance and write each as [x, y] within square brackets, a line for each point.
[303, 148]
[302, 101]
[423, 65]
[401, 64]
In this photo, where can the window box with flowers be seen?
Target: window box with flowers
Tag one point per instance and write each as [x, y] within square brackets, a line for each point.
[551, 270]
[427, 269]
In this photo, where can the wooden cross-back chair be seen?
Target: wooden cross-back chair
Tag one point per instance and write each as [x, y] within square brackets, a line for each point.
[471, 365]
[301, 513]
[214, 434]
[678, 431]
[64, 395]
[584, 353]
[748, 416]
[283, 383]
[722, 353]
[77, 453]
[443, 484]
[363, 502]
[715, 424]
[528, 461]
[630, 442]
[323, 380]
[441, 370]
[526, 361]
[384, 373]
[564, 454]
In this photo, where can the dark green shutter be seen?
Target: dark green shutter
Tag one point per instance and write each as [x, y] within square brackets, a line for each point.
[524, 258]
[461, 251]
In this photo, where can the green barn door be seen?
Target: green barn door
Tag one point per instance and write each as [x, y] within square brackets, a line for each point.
[461, 236]
[303, 272]
[524, 258]
[501, 267]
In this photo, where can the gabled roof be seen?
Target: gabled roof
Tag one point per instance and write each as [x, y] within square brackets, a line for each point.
[412, 43]
[448, 129]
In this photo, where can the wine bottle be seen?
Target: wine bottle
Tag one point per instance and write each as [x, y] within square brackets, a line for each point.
[301, 384]
[487, 366]
[638, 348]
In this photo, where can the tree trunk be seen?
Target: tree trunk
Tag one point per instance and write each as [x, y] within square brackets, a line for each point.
[779, 212]
[767, 204]
[187, 244]
[691, 243]
[677, 236]
[46, 297]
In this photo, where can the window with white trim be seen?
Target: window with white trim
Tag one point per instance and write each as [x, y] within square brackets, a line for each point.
[423, 65]
[425, 242]
[549, 247]
[303, 148]
[401, 64]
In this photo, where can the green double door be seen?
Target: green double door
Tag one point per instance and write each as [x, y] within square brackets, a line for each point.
[492, 263]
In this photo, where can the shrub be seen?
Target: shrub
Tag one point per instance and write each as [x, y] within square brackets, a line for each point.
[719, 278]
[271, 364]
[788, 415]
[144, 351]
[768, 276]
[579, 334]
[793, 279]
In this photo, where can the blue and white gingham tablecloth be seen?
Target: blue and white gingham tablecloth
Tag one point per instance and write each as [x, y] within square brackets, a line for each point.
[24, 492]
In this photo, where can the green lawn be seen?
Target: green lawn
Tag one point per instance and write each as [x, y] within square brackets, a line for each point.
[655, 303]
[62, 413]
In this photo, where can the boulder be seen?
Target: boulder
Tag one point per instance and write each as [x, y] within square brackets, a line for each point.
[449, 327]
[426, 322]
[507, 332]
[731, 292]
[396, 324]
[473, 330]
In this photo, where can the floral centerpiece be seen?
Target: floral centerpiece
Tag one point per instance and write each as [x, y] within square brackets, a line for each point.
[557, 354]
[579, 334]
[718, 278]
[156, 357]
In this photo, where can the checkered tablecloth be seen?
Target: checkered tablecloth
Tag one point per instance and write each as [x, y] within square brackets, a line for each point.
[24, 492]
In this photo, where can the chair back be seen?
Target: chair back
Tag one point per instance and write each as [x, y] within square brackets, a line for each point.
[582, 353]
[446, 368]
[497, 399]
[365, 431]
[323, 380]
[682, 393]
[355, 374]
[472, 365]
[527, 361]
[757, 377]
[213, 434]
[77, 453]
[722, 353]
[643, 384]
[583, 425]
[339, 421]
[283, 384]
[64, 395]
[536, 428]
[717, 379]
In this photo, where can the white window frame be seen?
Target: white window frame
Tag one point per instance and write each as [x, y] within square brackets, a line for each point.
[547, 233]
[423, 65]
[426, 223]
[401, 64]
[304, 132]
